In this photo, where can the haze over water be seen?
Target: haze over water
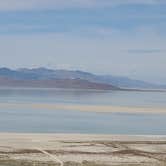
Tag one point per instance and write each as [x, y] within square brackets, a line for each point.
[15, 119]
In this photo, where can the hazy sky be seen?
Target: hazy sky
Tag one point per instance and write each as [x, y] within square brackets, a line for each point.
[119, 37]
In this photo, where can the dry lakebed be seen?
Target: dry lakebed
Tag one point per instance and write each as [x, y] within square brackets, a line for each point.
[81, 150]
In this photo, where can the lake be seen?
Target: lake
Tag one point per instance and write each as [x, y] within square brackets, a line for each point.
[63, 121]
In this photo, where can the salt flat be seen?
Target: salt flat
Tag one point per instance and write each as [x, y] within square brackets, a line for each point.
[81, 149]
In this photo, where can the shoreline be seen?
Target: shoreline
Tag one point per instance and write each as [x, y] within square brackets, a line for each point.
[76, 136]
[84, 108]
[83, 89]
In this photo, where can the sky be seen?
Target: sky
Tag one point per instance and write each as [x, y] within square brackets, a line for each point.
[118, 37]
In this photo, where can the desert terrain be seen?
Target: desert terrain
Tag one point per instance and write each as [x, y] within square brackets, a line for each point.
[81, 150]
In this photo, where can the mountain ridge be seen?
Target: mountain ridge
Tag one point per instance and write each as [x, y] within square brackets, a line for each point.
[40, 74]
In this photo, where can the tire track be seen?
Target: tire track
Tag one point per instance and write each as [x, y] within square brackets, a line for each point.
[53, 157]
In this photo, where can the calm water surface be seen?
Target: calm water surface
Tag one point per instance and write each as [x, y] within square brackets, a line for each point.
[62, 121]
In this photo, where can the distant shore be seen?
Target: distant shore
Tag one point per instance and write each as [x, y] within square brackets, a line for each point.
[90, 108]
[82, 89]
[34, 138]
[143, 90]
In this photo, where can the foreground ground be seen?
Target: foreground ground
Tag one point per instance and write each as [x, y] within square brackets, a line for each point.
[81, 150]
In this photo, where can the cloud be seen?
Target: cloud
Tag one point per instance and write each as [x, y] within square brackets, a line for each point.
[17, 5]
[145, 51]
[109, 38]
[106, 56]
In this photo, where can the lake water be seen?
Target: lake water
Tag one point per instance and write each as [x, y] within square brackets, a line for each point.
[62, 121]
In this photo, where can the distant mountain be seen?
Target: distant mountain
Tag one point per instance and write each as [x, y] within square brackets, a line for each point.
[56, 83]
[76, 79]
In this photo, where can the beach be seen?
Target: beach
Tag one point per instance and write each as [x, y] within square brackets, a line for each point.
[82, 149]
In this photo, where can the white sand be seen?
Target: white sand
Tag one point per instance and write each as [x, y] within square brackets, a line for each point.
[33, 140]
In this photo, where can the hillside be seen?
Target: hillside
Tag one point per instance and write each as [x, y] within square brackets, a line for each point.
[57, 83]
[75, 79]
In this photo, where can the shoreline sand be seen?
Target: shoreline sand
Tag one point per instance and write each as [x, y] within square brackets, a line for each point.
[87, 108]
[82, 137]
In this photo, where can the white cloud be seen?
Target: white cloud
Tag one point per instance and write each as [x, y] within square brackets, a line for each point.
[13, 5]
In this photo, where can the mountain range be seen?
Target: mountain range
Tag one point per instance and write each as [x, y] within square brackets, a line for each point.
[49, 78]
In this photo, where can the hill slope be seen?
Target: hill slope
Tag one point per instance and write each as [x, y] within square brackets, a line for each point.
[38, 75]
[57, 83]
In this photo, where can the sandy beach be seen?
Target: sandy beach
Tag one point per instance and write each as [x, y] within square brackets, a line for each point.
[80, 150]
[77, 107]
